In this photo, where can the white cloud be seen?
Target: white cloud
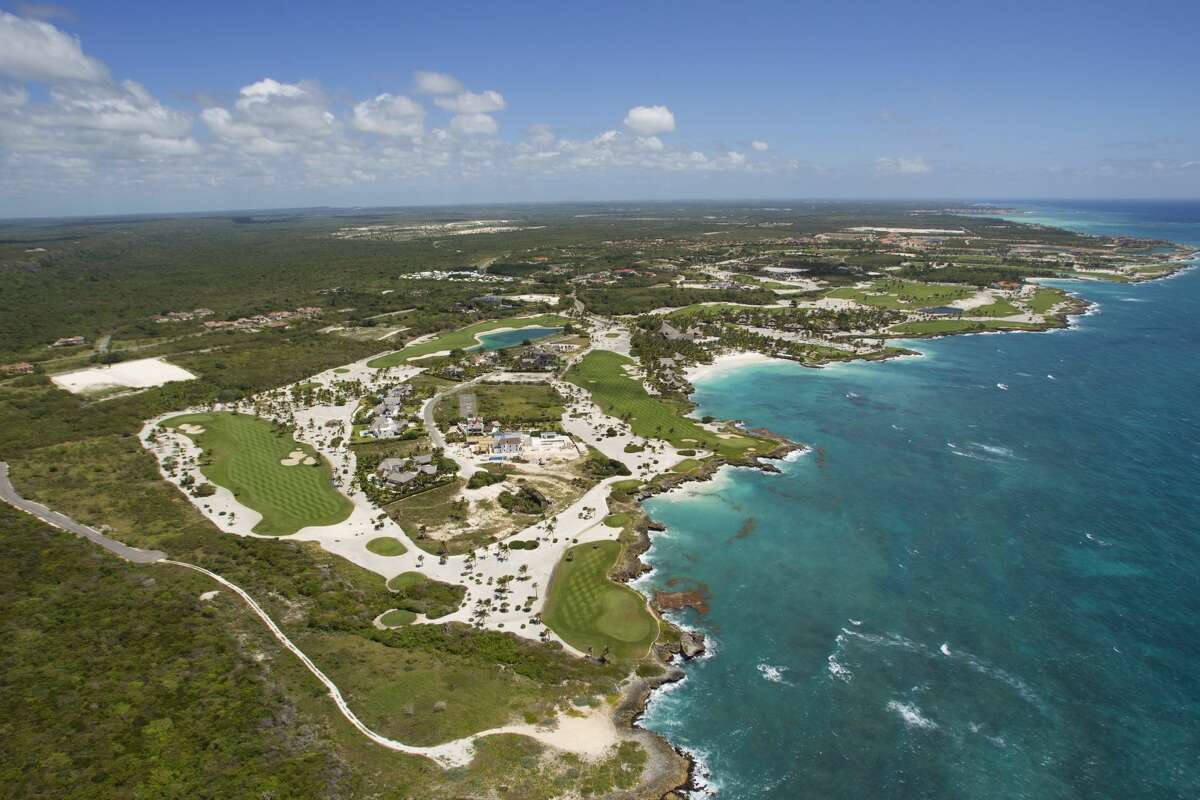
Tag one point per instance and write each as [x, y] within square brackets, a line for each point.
[425, 82]
[390, 115]
[649, 120]
[37, 51]
[127, 108]
[902, 166]
[471, 103]
[650, 143]
[474, 124]
[13, 95]
[760, 145]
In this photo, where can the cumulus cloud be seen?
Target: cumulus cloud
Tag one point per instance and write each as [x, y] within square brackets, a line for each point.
[472, 103]
[87, 132]
[760, 145]
[425, 82]
[474, 124]
[37, 51]
[649, 120]
[902, 166]
[390, 115]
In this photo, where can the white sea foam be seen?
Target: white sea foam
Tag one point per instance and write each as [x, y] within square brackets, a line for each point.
[856, 622]
[911, 714]
[796, 455]
[772, 674]
[1002, 387]
[994, 449]
[945, 648]
[838, 670]
[1051, 377]
[702, 778]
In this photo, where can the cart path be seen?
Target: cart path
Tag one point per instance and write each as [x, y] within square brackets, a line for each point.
[456, 753]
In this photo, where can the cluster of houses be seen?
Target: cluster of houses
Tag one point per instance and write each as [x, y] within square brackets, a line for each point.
[69, 341]
[403, 471]
[499, 444]
[272, 319]
[183, 316]
[20, 368]
[388, 418]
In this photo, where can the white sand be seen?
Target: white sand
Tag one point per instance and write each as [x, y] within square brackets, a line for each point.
[725, 363]
[140, 374]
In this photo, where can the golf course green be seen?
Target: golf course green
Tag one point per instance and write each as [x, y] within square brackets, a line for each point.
[251, 457]
[593, 613]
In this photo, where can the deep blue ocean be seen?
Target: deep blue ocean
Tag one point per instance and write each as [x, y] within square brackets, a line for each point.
[962, 590]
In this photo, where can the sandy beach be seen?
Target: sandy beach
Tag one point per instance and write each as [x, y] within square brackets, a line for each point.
[726, 362]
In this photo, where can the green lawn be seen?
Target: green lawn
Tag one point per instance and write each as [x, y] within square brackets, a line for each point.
[1000, 308]
[513, 404]
[387, 546]
[1045, 299]
[397, 617]
[243, 452]
[903, 295]
[466, 337]
[593, 613]
[960, 326]
[600, 373]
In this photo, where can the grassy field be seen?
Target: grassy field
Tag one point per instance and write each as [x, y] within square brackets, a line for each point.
[243, 454]
[511, 403]
[593, 613]
[600, 372]
[903, 295]
[1000, 308]
[465, 337]
[935, 326]
[1045, 299]
[387, 546]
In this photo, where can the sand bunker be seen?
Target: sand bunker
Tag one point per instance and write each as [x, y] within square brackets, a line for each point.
[140, 374]
[296, 457]
[190, 429]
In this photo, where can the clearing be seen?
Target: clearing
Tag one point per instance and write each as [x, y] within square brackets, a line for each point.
[140, 374]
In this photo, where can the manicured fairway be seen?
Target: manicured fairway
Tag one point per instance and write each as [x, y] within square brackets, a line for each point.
[387, 546]
[937, 326]
[465, 337]
[903, 295]
[601, 373]
[591, 612]
[245, 453]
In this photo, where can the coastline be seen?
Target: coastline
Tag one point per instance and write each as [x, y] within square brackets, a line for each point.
[699, 779]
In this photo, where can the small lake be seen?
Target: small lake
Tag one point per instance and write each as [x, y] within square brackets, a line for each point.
[502, 340]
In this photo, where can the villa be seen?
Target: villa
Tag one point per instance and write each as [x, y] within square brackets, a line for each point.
[508, 443]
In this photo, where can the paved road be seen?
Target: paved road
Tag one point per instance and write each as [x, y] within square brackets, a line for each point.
[9, 495]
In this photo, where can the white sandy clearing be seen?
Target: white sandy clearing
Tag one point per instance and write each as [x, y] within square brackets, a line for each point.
[550, 299]
[981, 298]
[140, 374]
[293, 458]
[191, 430]
[209, 595]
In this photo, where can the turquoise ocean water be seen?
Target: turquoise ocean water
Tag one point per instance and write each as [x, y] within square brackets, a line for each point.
[963, 590]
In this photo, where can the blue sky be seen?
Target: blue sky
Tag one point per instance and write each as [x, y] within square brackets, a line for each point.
[108, 108]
